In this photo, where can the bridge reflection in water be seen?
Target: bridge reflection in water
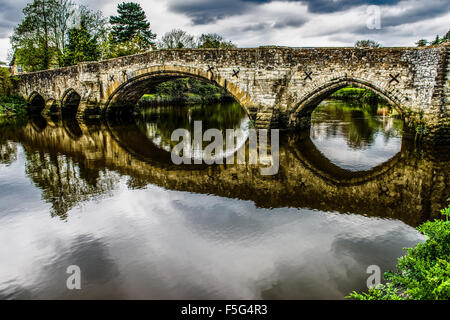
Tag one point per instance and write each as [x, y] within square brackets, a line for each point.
[73, 162]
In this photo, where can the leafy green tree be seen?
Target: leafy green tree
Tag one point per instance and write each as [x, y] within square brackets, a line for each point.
[33, 35]
[96, 26]
[176, 39]
[82, 46]
[5, 82]
[131, 23]
[213, 40]
[367, 44]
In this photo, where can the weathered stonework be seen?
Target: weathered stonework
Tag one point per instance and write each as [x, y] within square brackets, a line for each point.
[277, 86]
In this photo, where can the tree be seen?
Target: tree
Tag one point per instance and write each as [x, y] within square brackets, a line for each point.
[34, 33]
[82, 46]
[176, 39]
[213, 40]
[5, 82]
[63, 11]
[97, 26]
[422, 43]
[131, 23]
[437, 40]
[367, 44]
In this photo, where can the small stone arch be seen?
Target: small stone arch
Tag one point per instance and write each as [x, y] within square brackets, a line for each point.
[36, 102]
[300, 114]
[131, 89]
[70, 103]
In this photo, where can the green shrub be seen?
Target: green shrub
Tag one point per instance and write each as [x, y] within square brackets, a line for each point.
[11, 105]
[424, 272]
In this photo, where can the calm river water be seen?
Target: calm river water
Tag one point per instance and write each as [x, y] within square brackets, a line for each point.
[106, 197]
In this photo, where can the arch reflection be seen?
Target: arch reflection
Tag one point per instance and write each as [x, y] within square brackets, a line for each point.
[71, 171]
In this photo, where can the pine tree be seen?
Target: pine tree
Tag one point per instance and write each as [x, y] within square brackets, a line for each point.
[437, 40]
[81, 47]
[131, 23]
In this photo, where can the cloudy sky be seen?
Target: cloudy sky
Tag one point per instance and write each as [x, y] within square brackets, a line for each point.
[297, 23]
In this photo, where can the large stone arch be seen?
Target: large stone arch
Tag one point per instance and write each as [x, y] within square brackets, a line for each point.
[128, 91]
[300, 114]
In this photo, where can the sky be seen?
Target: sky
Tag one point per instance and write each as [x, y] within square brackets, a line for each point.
[294, 23]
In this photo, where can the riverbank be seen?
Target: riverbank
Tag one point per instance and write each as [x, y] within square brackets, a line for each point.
[12, 106]
[362, 95]
[424, 272]
[184, 99]
[185, 91]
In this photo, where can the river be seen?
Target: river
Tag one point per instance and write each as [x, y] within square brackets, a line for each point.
[106, 197]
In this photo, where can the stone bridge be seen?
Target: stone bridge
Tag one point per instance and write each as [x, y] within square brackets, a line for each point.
[278, 87]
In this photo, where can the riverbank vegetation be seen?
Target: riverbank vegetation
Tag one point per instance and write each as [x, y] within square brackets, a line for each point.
[185, 91]
[9, 105]
[424, 272]
[368, 100]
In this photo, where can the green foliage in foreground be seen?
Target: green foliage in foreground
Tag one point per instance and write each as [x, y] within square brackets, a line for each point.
[11, 105]
[424, 273]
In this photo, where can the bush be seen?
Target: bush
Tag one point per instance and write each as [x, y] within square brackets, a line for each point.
[12, 105]
[424, 272]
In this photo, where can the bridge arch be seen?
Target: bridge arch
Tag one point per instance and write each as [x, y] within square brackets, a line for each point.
[128, 92]
[70, 102]
[301, 112]
[36, 102]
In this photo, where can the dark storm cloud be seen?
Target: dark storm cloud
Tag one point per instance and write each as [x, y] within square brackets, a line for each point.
[208, 11]
[330, 6]
[10, 16]
[255, 27]
[289, 22]
[423, 11]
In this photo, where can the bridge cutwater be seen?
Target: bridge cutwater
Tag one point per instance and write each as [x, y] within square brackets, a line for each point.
[278, 87]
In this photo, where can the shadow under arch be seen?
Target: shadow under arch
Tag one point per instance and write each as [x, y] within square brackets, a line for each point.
[128, 93]
[69, 103]
[36, 102]
[311, 100]
[310, 156]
